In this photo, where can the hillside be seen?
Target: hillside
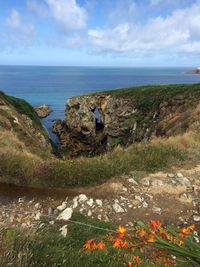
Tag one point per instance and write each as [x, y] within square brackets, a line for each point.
[21, 129]
[99, 122]
[149, 170]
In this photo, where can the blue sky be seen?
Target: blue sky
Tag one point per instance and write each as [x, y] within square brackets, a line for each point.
[100, 32]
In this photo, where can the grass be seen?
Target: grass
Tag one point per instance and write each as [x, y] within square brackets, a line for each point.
[46, 247]
[159, 155]
[21, 106]
[149, 97]
[18, 167]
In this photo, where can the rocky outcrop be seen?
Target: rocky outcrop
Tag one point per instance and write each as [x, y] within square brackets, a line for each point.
[99, 122]
[43, 111]
[96, 123]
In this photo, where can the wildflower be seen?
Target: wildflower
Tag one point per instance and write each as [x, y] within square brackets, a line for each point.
[101, 245]
[188, 230]
[94, 246]
[130, 264]
[151, 238]
[117, 243]
[142, 232]
[88, 244]
[121, 230]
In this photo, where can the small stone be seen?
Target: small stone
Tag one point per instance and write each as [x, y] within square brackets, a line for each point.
[156, 209]
[63, 230]
[90, 202]
[145, 181]
[75, 202]
[50, 211]
[66, 214]
[62, 206]
[183, 196]
[139, 198]
[179, 175]
[125, 189]
[38, 216]
[82, 198]
[132, 181]
[196, 218]
[117, 208]
[21, 200]
[99, 202]
[183, 181]
[157, 183]
[145, 204]
[37, 205]
[89, 213]
[99, 217]
[170, 175]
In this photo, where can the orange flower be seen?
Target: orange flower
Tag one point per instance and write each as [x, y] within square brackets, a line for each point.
[151, 239]
[101, 245]
[130, 264]
[117, 243]
[142, 232]
[121, 230]
[191, 227]
[188, 230]
[94, 246]
[124, 244]
[137, 260]
[88, 244]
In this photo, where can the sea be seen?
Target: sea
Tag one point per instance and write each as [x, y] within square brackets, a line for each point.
[54, 85]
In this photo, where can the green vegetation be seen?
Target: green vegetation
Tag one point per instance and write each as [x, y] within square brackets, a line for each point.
[46, 247]
[149, 97]
[35, 169]
[22, 106]
[155, 156]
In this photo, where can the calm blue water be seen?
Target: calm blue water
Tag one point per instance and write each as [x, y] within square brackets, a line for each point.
[54, 85]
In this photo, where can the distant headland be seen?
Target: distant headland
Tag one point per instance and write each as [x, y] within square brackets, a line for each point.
[195, 71]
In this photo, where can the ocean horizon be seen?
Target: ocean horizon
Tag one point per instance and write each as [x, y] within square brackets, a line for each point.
[53, 85]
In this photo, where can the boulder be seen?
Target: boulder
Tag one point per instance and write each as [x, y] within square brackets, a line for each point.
[66, 214]
[43, 111]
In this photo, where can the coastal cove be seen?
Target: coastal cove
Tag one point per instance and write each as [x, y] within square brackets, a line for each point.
[54, 85]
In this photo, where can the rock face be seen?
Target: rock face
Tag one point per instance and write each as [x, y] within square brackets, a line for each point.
[43, 111]
[95, 123]
[99, 122]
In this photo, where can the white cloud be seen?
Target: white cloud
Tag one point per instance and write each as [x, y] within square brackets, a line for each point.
[178, 32]
[14, 22]
[67, 14]
[38, 7]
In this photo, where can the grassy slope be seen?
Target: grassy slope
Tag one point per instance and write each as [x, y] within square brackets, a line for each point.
[149, 97]
[21, 137]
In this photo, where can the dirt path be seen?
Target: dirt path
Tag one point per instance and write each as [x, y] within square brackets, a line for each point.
[172, 198]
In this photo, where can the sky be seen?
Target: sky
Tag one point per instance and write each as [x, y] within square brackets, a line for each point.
[121, 33]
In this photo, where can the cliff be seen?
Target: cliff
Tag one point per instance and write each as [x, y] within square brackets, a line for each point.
[98, 122]
[21, 129]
